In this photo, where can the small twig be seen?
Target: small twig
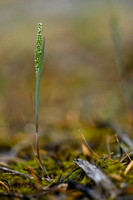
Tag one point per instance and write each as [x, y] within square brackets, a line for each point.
[15, 172]
[122, 147]
[122, 135]
[5, 186]
[108, 145]
[69, 174]
[90, 147]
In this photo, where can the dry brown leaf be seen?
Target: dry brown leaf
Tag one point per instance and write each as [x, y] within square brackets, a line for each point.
[116, 176]
[85, 150]
[3, 164]
[129, 167]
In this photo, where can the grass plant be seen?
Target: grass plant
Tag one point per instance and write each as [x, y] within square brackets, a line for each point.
[39, 59]
[117, 43]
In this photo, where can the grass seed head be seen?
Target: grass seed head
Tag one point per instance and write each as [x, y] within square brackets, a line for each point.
[38, 50]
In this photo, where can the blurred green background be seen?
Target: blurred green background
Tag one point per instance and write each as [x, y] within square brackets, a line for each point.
[80, 81]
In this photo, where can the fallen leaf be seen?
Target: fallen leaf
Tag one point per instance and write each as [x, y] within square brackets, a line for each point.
[85, 150]
[129, 167]
[116, 176]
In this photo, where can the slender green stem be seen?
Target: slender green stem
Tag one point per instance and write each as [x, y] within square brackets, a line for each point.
[38, 78]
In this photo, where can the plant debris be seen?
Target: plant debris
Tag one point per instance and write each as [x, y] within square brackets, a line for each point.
[100, 178]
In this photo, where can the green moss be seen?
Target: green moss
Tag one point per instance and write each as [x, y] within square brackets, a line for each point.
[117, 168]
[60, 163]
[110, 166]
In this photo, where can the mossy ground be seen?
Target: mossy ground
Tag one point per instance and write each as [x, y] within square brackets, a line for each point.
[58, 159]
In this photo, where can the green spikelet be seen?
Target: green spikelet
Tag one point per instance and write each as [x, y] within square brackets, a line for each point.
[38, 51]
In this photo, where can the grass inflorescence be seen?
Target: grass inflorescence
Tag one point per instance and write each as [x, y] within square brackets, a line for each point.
[39, 59]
